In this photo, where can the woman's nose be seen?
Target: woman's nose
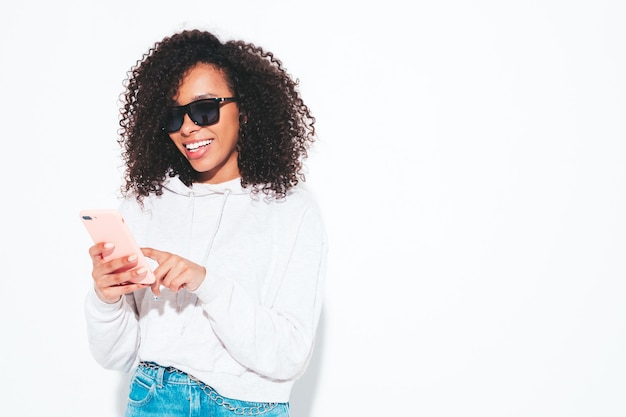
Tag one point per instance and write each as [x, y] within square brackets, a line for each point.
[188, 126]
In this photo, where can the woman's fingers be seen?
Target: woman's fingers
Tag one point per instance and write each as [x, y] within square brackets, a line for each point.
[157, 255]
[115, 277]
[174, 272]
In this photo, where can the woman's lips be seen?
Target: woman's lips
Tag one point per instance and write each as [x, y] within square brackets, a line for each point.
[197, 149]
[194, 146]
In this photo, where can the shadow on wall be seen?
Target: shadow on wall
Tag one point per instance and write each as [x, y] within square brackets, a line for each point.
[304, 390]
[302, 395]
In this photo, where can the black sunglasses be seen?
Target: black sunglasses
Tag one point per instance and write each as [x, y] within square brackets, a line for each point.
[203, 112]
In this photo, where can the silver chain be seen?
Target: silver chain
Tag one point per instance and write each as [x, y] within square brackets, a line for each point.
[243, 411]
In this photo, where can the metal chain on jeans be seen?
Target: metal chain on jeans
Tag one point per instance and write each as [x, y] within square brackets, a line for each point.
[213, 395]
[243, 411]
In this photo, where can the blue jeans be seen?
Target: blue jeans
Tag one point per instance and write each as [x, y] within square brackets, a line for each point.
[169, 392]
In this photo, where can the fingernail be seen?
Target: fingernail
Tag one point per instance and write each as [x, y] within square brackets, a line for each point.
[108, 245]
[132, 258]
[140, 271]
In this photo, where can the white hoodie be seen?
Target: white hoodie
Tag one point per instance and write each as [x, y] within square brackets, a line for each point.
[249, 329]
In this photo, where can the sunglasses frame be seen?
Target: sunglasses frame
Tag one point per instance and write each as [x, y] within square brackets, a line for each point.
[186, 110]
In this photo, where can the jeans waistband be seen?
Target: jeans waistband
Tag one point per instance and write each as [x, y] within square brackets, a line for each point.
[170, 375]
[166, 374]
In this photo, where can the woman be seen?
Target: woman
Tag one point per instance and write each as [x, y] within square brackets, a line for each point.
[214, 137]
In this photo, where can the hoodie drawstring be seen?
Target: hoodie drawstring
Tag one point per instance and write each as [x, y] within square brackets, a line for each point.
[218, 222]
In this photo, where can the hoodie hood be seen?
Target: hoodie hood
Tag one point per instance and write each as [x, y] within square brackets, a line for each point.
[176, 186]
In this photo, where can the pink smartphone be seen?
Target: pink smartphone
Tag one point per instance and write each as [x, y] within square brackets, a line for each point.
[108, 225]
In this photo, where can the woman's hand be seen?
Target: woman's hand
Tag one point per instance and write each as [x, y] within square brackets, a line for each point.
[113, 278]
[174, 272]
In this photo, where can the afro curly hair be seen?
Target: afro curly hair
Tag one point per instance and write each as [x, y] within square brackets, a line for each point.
[276, 127]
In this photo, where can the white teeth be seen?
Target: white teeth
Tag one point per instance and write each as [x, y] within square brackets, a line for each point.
[194, 146]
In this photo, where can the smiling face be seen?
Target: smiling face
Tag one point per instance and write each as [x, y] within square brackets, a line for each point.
[209, 149]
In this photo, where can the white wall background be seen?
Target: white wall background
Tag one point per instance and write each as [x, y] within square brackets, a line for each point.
[471, 168]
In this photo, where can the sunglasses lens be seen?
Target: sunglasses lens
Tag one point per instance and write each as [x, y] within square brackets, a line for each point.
[174, 119]
[204, 113]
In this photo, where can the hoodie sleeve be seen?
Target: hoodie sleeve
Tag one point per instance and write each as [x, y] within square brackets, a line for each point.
[112, 331]
[274, 340]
